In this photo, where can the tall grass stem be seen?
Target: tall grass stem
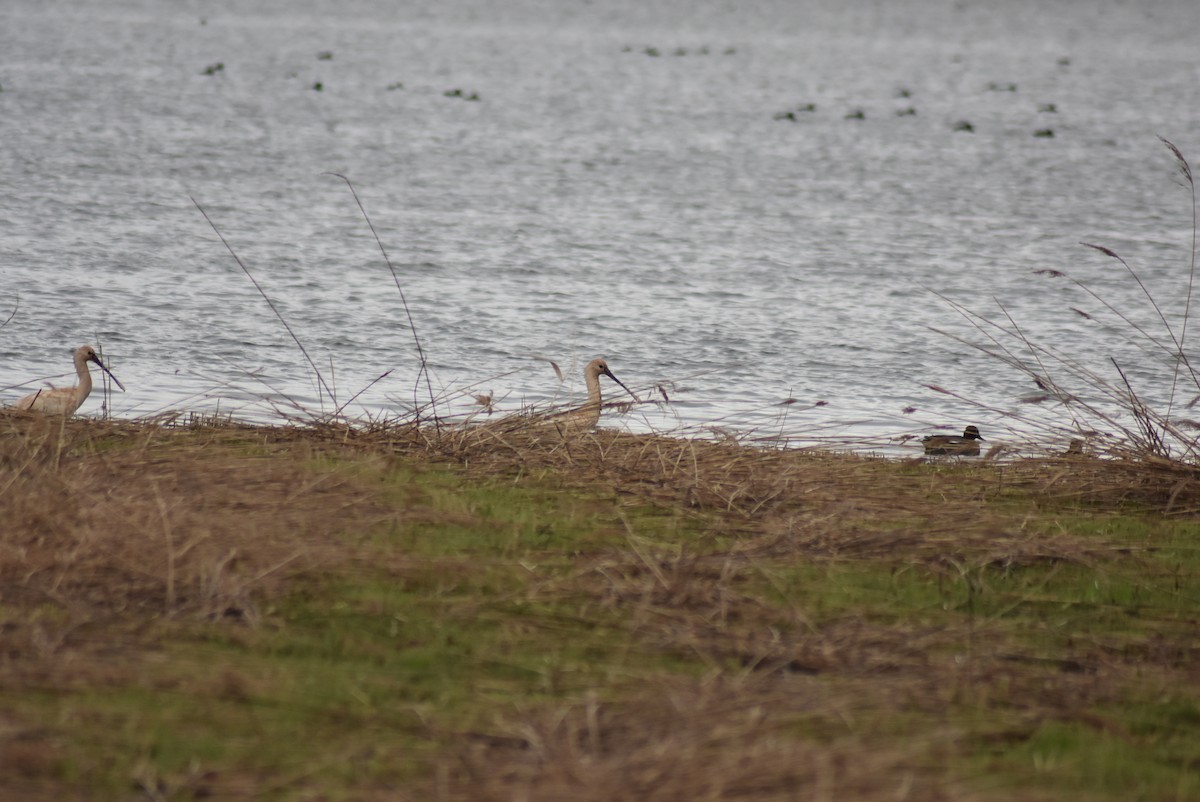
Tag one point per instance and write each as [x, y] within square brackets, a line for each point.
[412, 326]
[270, 303]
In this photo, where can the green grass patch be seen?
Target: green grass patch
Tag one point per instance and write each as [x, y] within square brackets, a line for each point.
[1091, 761]
[1048, 659]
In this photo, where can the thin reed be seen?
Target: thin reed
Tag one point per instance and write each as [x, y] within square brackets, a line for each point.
[1107, 411]
[423, 368]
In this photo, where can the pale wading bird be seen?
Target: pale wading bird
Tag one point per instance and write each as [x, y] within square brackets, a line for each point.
[65, 400]
[952, 444]
[585, 417]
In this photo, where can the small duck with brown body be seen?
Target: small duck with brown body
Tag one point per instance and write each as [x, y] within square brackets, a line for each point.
[65, 400]
[952, 445]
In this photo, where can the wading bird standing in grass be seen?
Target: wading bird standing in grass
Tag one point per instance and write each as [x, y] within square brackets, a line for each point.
[65, 400]
[953, 445]
[587, 416]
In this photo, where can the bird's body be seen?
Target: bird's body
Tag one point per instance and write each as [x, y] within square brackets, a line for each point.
[953, 445]
[585, 417]
[65, 400]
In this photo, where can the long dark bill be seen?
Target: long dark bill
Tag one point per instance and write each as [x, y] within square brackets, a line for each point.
[610, 375]
[104, 367]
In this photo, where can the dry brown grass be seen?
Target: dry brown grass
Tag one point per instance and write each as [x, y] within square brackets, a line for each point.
[108, 523]
[693, 740]
[715, 738]
[819, 497]
[113, 530]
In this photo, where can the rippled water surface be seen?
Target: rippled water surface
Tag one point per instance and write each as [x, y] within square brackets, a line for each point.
[643, 181]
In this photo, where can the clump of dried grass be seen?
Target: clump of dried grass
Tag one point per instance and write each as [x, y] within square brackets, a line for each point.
[714, 607]
[748, 483]
[105, 521]
[718, 738]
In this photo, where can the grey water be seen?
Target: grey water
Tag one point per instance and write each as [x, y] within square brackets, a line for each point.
[739, 204]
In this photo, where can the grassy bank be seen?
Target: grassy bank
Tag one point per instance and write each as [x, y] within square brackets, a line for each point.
[316, 613]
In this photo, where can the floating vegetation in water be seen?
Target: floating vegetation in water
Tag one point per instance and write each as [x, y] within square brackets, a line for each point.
[857, 114]
[1001, 87]
[903, 92]
[460, 94]
[213, 69]
[963, 125]
[392, 87]
[1045, 133]
[318, 86]
[678, 50]
[907, 112]
[1047, 108]
[325, 55]
[790, 114]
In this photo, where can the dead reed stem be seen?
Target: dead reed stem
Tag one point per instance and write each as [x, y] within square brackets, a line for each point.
[1154, 433]
[412, 326]
[317, 371]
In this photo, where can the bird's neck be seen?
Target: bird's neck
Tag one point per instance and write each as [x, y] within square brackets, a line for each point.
[84, 388]
[593, 389]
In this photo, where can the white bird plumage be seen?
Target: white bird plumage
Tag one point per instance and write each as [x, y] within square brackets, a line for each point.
[65, 400]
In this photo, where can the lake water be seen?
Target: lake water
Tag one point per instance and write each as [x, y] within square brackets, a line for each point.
[628, 183]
